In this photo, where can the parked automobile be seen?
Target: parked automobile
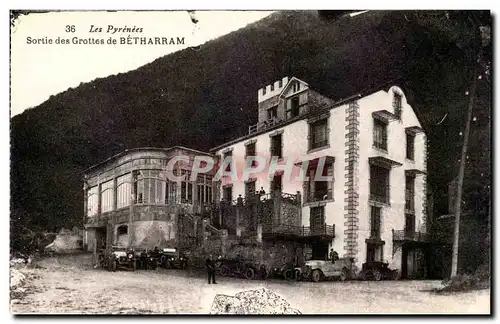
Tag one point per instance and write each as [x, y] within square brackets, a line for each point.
[153, 259]
[377, 270]
[170, 259]
[117, 258]
[318, 270]
[240, 268]
[286, 271]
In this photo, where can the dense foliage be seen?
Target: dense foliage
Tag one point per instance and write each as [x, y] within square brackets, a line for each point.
[203, 97]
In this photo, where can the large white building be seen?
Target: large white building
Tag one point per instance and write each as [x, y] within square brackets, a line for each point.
[375, 151]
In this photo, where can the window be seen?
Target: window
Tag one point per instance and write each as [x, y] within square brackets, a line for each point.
[280, 83]
[250, 189]
[227, 193]
[107, 196]
[263, 91]
[379, 184]
[122, 230]
[397, 104]
[410, 193]
[272, 113]
[171, 193]
[123, 190]
[186, 188]
[293, 106]
[318, 134]
[277, 183]
[276, 146]
[410, 223]
[272, 87]
[410, 146]
[204, 189]
[317, 219]
[319, 190]
[296, 86]
[228, 158]
[150, 187]
[375, 222]
[380, 134]
[92, 201]
[250, 151]
[374, 252]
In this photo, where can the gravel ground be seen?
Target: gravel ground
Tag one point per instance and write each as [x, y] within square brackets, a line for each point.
[70, 285]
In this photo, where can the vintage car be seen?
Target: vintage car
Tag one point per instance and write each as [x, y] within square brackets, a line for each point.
[377, 270]
[117, 258]
[170, 259]
[153, 259]
[317, 270]
[286, 271]
[239, 267]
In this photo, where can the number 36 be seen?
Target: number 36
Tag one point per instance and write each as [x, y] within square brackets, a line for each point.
[70, 28]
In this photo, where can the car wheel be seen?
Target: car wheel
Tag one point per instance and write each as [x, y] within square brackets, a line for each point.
[298, 275]
[224, 271]
[316, 275]
[288, 274]
[377, 275]
[249, 273]
[395, 275]
[343, 275]
[113, 266]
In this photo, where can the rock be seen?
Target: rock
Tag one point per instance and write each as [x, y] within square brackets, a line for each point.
[17, 261]
[16, 278]
[260, 301]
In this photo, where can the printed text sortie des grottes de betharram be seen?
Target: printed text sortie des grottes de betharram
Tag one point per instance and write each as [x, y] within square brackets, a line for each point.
[118, 36]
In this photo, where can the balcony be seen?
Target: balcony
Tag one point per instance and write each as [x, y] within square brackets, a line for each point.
[264, 125]
[310, 108]
[319, 195]
[285, 230]
[410, 236]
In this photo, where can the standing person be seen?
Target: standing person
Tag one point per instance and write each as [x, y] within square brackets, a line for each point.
[209, 263]
[334, 256]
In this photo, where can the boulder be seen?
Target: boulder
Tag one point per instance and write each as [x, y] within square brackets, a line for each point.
[260, 301]
[65, 243]
[16, 278]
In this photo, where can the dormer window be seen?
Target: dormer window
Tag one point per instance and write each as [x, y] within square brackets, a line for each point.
[293, 106]
[272, 87]
[272, 113]
[281, 83]
[263, 91]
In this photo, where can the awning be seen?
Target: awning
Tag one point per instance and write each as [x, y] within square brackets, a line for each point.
[384, 115]
[384, 162]
[414, 172]
[413, 130]
[313, 161]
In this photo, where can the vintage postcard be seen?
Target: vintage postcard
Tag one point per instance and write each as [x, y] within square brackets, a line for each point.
[250, 162]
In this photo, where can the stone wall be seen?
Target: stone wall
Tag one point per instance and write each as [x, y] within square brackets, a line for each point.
[149, 234]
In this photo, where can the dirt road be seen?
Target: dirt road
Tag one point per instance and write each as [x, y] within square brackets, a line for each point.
[70, 286]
